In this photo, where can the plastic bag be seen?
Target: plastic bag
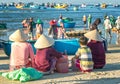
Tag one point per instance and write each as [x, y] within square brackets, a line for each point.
[23, 74]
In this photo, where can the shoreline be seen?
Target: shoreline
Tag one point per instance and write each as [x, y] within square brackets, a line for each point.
[108, 75]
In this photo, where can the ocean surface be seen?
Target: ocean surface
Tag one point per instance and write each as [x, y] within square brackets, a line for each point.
[13, 17]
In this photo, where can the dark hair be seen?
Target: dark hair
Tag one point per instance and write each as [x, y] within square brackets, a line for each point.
[31, 18]
[97, 21]
[83, 40]
[95, 24]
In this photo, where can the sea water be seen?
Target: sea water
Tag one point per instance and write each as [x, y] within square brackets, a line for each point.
[13, 18]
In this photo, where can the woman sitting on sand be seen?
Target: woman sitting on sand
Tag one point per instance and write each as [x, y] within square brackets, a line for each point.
[22, 54]
[96, 45]
[46, 55]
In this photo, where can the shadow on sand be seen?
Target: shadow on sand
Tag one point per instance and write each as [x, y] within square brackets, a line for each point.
[4, 67]
[116, 50]
[94, 81]
[4, 58]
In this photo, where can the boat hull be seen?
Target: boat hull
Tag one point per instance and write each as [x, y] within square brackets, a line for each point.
[69, 46]
[69, 25]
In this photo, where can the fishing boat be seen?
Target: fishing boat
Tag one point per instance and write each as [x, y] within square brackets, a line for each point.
[83, 5]
[19, 6]
[103, 5]
[34, 6]
[116, 5]
[69, 46]
[69, 24]
[61, 6]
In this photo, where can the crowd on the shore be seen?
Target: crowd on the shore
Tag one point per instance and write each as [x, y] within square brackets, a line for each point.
[57, 30]
[90, 55]
[110, 23]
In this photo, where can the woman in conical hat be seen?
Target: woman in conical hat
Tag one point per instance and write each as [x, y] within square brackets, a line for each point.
[97, 48]
[93, 35]
[22, 54]
[46, 55]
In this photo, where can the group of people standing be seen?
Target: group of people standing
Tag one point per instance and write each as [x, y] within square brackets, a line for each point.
[87, 20]
[29, 25]
[111, 22]
[57, 30]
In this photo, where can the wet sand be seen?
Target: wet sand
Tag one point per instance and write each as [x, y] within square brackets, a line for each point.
[110, 74]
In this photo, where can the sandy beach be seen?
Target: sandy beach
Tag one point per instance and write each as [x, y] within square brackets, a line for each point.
[110, 74]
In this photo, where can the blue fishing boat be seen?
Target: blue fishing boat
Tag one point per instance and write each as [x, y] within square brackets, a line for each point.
[69, 46]
[69, 24]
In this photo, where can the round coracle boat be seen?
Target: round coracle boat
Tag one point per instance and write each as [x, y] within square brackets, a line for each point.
[69, 46]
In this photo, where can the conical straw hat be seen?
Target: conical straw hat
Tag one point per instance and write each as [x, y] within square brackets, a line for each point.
[93, 35]
[43, 42]
[18, 36]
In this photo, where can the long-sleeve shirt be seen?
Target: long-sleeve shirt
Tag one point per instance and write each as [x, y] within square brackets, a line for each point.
[21, 53]
[44, 57]
[98, 53]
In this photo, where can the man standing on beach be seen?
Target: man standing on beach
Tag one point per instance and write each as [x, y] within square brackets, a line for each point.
[30, 26]
[118, 29]
[108, 26]
[84, 20]
[89, 19]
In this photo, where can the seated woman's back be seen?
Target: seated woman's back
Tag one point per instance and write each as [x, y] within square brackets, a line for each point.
[20, 52]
